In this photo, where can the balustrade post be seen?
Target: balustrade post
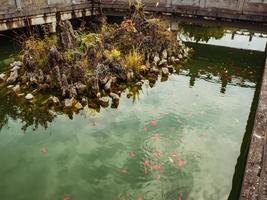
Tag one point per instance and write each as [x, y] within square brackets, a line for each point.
[18, 4]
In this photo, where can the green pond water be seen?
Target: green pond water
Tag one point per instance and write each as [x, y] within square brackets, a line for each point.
[180, 139]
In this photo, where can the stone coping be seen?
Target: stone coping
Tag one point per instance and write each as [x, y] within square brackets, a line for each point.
[254, 185]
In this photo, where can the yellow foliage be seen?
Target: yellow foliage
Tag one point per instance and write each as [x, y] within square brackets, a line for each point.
[134, 60]
[90, 38]
[114, 54]
[39, 48]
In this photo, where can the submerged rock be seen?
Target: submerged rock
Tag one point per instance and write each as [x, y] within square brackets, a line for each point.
[170, 68]
[2, 77]
[164, 54]
[139, 84]
[68, 103]
[16, 63]
[163, 62]
[16, 88]
[104, 101]
[114, 96]
[53, 100]
[165, 71]
[15, 68]
[78, 106]
[12, 77]
[156, 58]
[84, 101]
[29, 97]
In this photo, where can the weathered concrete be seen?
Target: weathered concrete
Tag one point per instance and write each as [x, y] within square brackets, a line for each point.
[20, 13]
[255, 179]
[250, 10]
[44, 14]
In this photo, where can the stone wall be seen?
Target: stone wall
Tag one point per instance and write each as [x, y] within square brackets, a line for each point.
[257, 6]
[17, 10]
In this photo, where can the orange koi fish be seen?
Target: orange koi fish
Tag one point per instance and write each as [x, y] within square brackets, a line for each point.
[124, 171]
[146, 162]
[145, 171]
[157, 167]
[66, 198]
[132, 154]
[173, 154]
[145, 129]
[179, 196]
[153, 122]
[44, 150]
[181, 163]
[140, 197]
[157, 154]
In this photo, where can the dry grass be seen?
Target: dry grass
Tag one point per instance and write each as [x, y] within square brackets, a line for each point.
[134, 60]
[39, 48]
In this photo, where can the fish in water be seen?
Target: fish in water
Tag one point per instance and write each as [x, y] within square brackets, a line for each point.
[66, 198]
[173, 154]
[44, 150]
[146, 163]
[132, 154]
[156, 137]
[124, 171]
[157, 167]
[153, 122]
[157, 154]
[181, 163]
[140, 197]
[171, 160]
[179, 196]
[145, 171]
[145, 129]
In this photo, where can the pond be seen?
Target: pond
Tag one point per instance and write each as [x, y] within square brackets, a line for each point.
[179, 139]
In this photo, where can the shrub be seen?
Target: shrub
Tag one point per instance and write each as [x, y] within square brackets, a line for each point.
[114, 54]
[39, 48]
[134, 60]
[87, 39]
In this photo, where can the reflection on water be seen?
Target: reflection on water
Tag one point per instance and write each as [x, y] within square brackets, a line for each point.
[225, 67]
[169, 141]
[222, 36]
[8, 49]
[200, 32]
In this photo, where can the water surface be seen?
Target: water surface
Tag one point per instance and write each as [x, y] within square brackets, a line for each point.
[182, 137]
